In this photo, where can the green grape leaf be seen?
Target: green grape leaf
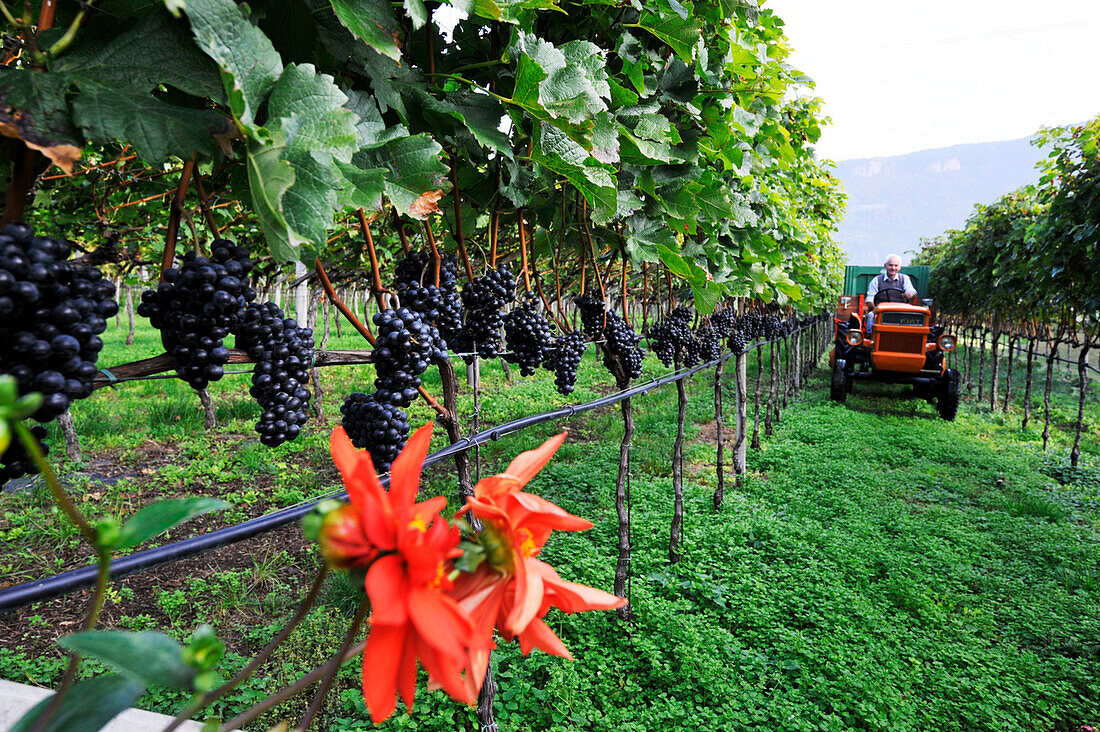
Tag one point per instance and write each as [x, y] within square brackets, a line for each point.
[269, 177]
[364, 187]
[415, 173]
[679, 34]
[156, 129]
[158, 50]
[249, 63]
[417, 13]
[561, 154]
[87, 707]
[156, 518]
[318, 130]
[373, 22]
[646, 239]
[34, 110]
[707, 297]
[509, 11]
[550, 83]
[150, 656]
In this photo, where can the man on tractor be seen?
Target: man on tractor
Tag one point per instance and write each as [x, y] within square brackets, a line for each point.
[890, 287]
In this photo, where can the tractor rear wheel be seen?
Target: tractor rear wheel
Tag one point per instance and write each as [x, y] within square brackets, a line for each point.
[838, 389]
[948, 404]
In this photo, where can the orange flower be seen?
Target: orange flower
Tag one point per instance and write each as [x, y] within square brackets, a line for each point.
[512, 589]
[412, 617]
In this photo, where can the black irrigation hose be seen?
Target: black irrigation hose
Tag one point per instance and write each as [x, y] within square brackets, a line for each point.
[77, 579]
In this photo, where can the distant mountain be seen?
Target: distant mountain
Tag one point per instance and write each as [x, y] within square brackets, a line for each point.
[894, 201]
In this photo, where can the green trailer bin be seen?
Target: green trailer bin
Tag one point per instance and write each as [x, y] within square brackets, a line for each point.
[856, 279]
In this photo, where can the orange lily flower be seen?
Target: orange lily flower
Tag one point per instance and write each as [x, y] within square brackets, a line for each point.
[512, 589]
[412, 617]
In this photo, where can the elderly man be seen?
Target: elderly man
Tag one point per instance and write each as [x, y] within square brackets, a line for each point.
[892, 280]
[879, 287]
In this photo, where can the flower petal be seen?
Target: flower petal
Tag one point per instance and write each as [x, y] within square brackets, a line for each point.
[406, 676]
[538, 635]
[495, 486]
[445, 672]
[356, 467]
[440, 622]
[388, 589]
[405, 471]
[383, 656]
[551, 515]
[527, 464]
[528, 596]
[572, 597]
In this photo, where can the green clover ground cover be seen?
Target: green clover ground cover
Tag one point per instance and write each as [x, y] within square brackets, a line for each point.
[878, 569]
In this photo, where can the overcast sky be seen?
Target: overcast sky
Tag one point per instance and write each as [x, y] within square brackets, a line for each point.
[898, 77]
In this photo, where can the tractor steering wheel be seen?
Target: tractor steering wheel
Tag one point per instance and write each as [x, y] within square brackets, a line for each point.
[890, 295]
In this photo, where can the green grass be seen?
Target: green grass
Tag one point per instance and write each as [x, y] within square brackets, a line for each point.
[877, 568]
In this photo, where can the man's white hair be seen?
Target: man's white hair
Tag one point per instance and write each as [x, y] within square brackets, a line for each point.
[889, 257]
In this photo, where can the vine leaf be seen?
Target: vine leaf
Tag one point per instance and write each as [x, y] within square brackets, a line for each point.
[158, 50]
[307, 108]
[155, 129]
[415, 175]
[417, 13]
[269, 177]
[509, 11]
[555, 83]
[156, 518]
[373, 22]
[561, 154]
[87, 707]
[249, 63]
[679, 34]
[34, 111]
[149, 657]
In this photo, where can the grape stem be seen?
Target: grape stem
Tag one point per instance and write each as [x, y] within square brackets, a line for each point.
[376, 275]
[400, 226]
[174, 216]
[204, 201]
[364, 330]
[212, 696]
[523, 251]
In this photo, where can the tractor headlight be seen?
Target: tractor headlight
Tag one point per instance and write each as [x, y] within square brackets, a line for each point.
[855, 337]
[947, 342]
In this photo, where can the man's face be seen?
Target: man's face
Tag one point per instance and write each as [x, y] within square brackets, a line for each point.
[893, 266]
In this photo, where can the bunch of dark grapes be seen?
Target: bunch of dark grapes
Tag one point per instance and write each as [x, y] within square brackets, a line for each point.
[528, 337]
[441, 306]
[404, 348]
[622, 342]
[378, 426]
[724, 322]
[564, 358]
[737, 342]
[670, 338]
[483, 302]
[772, 327]
[197, 306]
[752, 326]
[707, 343]
[16, 462]
[283, 352]
[592, 311]
[51, 314]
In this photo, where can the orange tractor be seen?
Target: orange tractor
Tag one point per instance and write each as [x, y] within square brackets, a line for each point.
[897, 344]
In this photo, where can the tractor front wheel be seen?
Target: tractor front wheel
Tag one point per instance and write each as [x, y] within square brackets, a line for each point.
[838, 388]
[948, 405]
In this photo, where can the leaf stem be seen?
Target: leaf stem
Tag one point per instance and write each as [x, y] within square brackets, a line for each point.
[66, 40]
[212, 696]
[334, 665]
[277, 698]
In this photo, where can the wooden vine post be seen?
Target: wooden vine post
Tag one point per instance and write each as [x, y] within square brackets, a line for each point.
[741, 399]
[1031, 340]
[678, 470]
[1052, 356]
[719, 468]
[994, 362]
[1083, 387]
[756, 397]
